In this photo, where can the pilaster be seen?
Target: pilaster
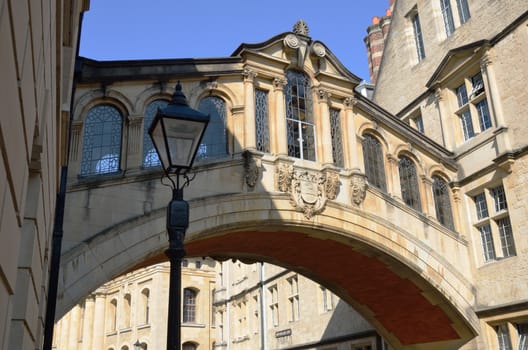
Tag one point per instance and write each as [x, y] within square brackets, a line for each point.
[324, 148]
[278, 136]
[250, 141]
[352, 160]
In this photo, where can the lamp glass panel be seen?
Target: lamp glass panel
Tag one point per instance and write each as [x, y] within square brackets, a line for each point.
[159, 142]
[183, 138]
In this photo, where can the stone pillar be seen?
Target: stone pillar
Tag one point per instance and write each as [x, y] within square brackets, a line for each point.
[279, 133]
[99, 322]
[323, 126]
[134, 140]
[426, 196]
[458, 206]
[73, 334]
[88, 323]
[350, 147]
[447, 129]
[250, 141]
[393, 177]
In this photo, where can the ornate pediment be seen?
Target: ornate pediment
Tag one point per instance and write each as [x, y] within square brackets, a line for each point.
[309, 189]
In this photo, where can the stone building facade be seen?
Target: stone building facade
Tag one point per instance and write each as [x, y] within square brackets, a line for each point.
[464, 76]
[38, 48]
[132, 310]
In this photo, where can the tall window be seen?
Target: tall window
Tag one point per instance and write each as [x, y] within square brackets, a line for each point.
[373, 159]
[189, 305]
[299, 116]
[145, 307]
[463, 11]
[447, 15]
[503, 337]
[327, 299]
[112, 315]
[418, 37]
[293, 299]
[101, 149]
[473, 107]
[337, 142]
[262, 120]
[522, 329]
[214, 142]
[494, 227]
[274, 305]
[409, 183]
[126, 310]
[150, 156]
[442, 202]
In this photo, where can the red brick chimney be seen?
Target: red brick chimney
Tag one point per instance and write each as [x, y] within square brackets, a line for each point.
[375, 40]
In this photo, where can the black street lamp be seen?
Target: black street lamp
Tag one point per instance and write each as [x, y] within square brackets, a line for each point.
[176, 133]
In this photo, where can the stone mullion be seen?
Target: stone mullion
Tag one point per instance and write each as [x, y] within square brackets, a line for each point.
[324, 139]
[279, 133]
[394, 186]
[350, 147]
[250, 139]
[426, 196]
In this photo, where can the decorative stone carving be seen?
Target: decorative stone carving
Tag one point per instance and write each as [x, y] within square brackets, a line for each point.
[301, 28]
[211, 85]
[324, 95]
[292, 41]
[350, 102]
[279, 83]
[318, 50]
[251, 169]
[309, 190]
[249, 75]
[358, 184]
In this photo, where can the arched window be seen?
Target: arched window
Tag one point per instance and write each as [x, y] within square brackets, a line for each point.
[373, 159]
[112, 315]
[299, 116]
[214, 142]
[189, 305]
[442, 202]
[126, 310]
[144, 312]
[101, 151]
[189, 346]
[150, 156]
[124, 347]
[409, 183]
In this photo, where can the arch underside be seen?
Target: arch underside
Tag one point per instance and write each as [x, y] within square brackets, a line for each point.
[403, 312]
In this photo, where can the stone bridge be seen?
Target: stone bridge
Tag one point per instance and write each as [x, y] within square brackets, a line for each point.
[404, 268]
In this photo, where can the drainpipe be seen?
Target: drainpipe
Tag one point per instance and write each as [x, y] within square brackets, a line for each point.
[56, 239]
[263, 342]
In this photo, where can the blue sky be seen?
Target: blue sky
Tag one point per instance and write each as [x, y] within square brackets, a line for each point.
[141, 29]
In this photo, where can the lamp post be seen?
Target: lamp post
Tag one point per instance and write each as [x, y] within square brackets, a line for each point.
[176, 133]
[137, 345]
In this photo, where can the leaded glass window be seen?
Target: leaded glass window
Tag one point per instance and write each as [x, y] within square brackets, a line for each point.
[481, 206]
[503, 337]
[418, 38]
[506, 237]
[447, 15]
[101, 151]
[299, 116]
[484, 115]
[499, 198]
[262, 120]
[488, 246]
[189, 305]
[442, 202]
[150, 156]
[337, 142]
[214, 142]
[409, 183]
[373, 159]
[462, 96]
[463, 11]
[467, 125]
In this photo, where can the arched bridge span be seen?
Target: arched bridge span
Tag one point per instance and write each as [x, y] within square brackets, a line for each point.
[369, 254]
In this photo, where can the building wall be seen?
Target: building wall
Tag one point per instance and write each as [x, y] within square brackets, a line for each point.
[491, 43]
[96, 323]
[38, 41]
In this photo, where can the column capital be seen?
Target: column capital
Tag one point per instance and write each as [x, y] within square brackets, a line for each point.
[249, 75]
[279, 83]
[350, 102]
[486, 60]
[324, 95]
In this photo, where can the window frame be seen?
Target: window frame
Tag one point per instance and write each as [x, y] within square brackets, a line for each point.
[372, 150]
[411, 194]
[189, 310]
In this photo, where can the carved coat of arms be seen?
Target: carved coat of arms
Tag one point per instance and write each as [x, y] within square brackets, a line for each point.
[309, 190]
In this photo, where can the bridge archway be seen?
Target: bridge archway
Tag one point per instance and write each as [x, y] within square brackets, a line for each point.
[410, 294]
